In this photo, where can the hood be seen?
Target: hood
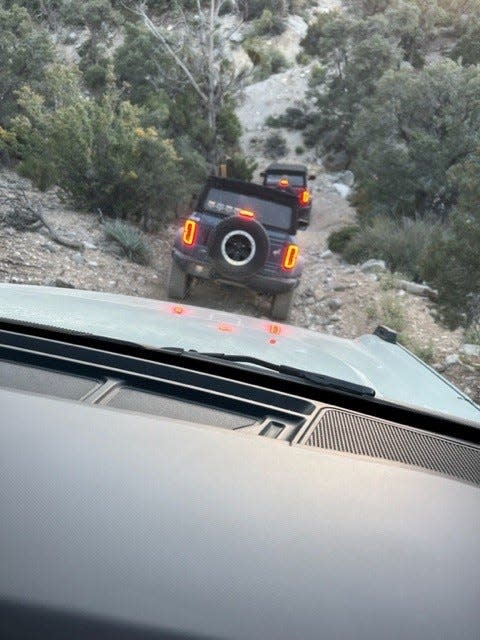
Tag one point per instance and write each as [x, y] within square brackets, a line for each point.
[394, 373]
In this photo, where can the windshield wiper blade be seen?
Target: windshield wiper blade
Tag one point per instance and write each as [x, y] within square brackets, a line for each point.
[319, 379]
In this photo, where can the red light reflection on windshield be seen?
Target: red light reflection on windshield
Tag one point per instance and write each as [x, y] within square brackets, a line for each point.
[178, 310]
[225, 327]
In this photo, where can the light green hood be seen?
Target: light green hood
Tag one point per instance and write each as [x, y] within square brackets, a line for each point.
[394, 373]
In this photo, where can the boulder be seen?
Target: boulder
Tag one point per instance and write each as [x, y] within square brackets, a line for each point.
[373, 266]
[418, 289]
[334, 304]
[347, 178]
[472, 350]
[452, 360]
[342, 189]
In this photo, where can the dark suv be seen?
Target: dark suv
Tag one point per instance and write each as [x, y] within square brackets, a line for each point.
[240, 233]
[292, 178]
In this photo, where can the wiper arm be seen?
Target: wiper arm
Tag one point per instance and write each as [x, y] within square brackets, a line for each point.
[319, 379]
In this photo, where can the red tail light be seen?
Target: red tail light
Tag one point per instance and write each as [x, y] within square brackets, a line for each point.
[291, 256]
[283, 182]
[305, 197]
[246, 213]
[190, 232]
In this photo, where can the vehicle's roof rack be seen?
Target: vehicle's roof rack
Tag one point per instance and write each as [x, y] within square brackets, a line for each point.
[288, 168]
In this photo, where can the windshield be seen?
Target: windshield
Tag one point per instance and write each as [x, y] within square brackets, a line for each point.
[229, 203]
[114, 116]
[294, 180]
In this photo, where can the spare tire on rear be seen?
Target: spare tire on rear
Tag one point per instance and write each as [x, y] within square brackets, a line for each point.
[238, 247]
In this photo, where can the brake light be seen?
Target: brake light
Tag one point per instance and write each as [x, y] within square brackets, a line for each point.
[305, 196]
[291, 256]
[190, 232]
[246, 213]
[283, 182]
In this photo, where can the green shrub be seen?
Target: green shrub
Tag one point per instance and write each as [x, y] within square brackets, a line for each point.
[241, 167]
[392, 312]
[130, 239]
[98, 152]
[25, 51]
[338, 240]
[400, 244]
[299, 150]
[275, 146]
[472, 334]
[303, 58]
[266, 59]
[252, 9]
[424, 351]
[269, 24]
[293, 118]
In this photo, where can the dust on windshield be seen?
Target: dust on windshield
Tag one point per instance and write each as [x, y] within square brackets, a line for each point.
[113, 114]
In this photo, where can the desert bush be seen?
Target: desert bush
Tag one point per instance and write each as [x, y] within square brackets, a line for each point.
[452, 259]
[424, 351]
[338, 240]
[266, 59]
[392, 312]
[98, 152]
[241, 167]
[132, 242]
[275, 146]
[25, 50]
[293, 118]
[403, 155]
[269, 24]
[400, 243]
[252, 9]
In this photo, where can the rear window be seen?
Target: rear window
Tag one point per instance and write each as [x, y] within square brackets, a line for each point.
[295, 179]
[229, 203]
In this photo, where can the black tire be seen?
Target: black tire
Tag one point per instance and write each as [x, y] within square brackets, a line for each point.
[281, 305]
[238, 248]
[179, 282]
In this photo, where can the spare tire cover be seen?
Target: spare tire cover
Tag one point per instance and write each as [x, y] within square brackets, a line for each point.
[238, 247]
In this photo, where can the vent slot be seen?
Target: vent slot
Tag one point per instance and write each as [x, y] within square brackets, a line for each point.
[51, 383]
[160, 405]
[361, 435]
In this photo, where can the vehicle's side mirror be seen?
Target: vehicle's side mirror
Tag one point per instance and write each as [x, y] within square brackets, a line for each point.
[312, 177]
[263, 174]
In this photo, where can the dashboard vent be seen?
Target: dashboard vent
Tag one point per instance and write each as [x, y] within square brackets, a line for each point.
[362, 435]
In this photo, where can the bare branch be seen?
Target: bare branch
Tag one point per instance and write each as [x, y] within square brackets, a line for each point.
[159, 35]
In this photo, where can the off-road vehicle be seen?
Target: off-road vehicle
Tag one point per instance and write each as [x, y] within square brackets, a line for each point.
[292, 178]
[244, 234]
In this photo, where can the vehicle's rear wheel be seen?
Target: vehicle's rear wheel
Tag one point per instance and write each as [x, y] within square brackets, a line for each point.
[239, 248]
[281, 305]
[179, 282]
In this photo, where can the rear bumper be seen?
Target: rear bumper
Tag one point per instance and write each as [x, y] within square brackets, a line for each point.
[258, 282]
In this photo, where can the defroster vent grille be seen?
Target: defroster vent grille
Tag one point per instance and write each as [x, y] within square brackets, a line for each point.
[362, 435]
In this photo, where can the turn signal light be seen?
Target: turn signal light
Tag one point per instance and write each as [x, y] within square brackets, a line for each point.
[283, 182]
[291, 256]
[305, 197]
[189, 232]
